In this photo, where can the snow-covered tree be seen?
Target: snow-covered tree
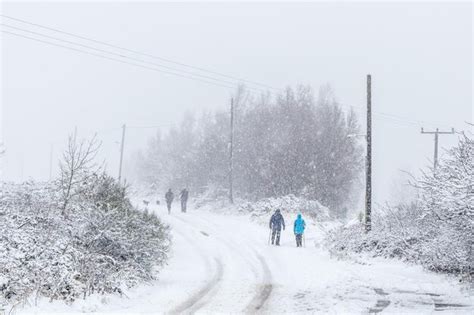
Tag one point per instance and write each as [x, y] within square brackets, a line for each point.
[103, 244]
[447, 205]
[287, 145]
[76, 166]
[437, 229]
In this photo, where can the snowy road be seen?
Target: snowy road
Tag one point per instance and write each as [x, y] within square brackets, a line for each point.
[247, 275]
[240, 278]
[223, 264]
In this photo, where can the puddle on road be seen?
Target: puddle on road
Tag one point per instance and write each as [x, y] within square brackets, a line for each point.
[379, 306]
[440, 306]
[416, 293]
[380, 300]
[434, 299]
[380, 291]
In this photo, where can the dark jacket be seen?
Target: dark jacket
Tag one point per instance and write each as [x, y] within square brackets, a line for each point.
[277, 221]
[184, 194]
[169, 197]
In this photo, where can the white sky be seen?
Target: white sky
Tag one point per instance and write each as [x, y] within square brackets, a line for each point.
[419, 55]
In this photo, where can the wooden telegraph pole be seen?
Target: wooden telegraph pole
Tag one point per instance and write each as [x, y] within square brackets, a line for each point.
[51, 162]
[437, 133]
[368, 172]
[231, 152]
[121, 153]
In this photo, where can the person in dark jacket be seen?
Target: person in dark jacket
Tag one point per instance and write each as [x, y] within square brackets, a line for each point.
[276, 223]
[298, 229]
[184, 199]
[169, 199]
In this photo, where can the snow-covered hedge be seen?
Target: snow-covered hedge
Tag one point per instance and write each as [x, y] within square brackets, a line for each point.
[287, 204]
[103, 245]
[261, 210]
[390, 237]
[436, 231]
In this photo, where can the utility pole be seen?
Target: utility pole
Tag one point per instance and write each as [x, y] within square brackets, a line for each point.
[231, 152]
[51, 162]
[121, 153]
[437, 133]
[368, 173]
[22, 166]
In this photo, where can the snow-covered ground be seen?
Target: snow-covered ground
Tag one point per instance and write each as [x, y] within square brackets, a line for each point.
[223, 264]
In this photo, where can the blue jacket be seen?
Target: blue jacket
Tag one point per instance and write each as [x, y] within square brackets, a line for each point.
[299, 225]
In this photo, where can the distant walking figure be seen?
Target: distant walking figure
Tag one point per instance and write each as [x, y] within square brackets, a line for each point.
[276, 223]
[298, 228]
[184, 199]
[169, 199]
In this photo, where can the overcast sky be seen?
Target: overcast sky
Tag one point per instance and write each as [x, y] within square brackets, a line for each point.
[420, 57]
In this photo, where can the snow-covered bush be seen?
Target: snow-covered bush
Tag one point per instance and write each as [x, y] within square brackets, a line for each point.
[260, 211]
[102, 245]
[287, 204]
[437, 230]
[214, 195]
[393, 234]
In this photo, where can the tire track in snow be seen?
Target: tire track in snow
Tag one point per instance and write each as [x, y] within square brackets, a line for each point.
[195, 301]
[205, 294]
[200, 298]
[264, 291]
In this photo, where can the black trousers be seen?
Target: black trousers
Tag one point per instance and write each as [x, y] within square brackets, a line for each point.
[168, 204]
[183, 205]
[299, 240]
[276, 234]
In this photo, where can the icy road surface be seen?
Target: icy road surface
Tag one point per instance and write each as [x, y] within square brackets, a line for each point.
[223, 264]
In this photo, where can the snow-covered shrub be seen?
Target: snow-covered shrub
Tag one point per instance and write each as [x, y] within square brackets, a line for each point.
[103, 244]
[287, 204]
[217, 200]
[393, 234]
[214, 195]
[447, 206]
[437, 230]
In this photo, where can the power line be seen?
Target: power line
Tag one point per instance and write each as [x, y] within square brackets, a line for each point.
[123, 56]
[412, 121]
[397, 121]
[142, 53]
[188, 75]
[151, 127]
[395, 118]
[118, 60]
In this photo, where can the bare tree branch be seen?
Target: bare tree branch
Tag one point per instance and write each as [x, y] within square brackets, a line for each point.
[77, 165]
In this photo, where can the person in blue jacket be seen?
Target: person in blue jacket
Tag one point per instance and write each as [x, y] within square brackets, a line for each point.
[298, 228]
[276, 223]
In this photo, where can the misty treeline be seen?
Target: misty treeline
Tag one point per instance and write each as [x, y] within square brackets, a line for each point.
[294, 143]
[76, 235]
[436, 229]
